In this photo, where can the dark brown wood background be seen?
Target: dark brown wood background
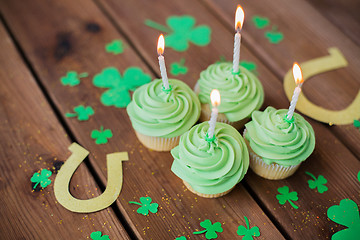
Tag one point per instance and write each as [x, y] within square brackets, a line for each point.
[41, 40]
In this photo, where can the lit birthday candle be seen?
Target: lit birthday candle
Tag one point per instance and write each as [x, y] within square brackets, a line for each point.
[299, 81]
[160, 51]
[239, 20]
[215, 101]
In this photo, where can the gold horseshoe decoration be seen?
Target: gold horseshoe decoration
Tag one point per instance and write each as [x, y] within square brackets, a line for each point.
[313, 67]
[113, 188]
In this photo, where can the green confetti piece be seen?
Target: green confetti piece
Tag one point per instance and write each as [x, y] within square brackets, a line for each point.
[177, 68]
[102, 136]
[346, 214]
[72, 78]
[318, 183]
[42, 178]
[146, 206]
[248, 232]
[274, 36]
[81, 112]
[357, 124]
[286, 196]
[97, 236]
[260, 22]
[119, 86]
[181, 30]
[115, 47]
[358, 176]
[210, 229]
[181, 238]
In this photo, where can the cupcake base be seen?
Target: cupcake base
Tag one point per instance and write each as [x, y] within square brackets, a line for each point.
[206, 195]
[158, 143]
[273, 171]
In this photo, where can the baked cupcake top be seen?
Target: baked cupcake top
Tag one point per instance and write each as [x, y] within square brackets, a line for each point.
[158, 113]
[211, 167]
[241, 93]
[278, 141]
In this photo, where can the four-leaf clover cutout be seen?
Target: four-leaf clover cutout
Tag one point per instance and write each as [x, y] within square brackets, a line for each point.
[81, 112]
[318, 183]
[42, 178]
[115, 47]
[260, 22]
[178, 67]
[146, 206]
[274, 36]
[285, 195]
[102, 135]
[72, 78]
[119, 86]
[181, 30]
[346, 214]
[97, 236]
[210, 229]
[248, 232]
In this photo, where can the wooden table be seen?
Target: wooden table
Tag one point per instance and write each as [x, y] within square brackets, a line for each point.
[42, 40]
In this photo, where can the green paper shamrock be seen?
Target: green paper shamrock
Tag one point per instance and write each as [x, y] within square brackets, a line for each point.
[181, 238]
[115, 47]
[101, 136]
[346, 214]
[357, 124]
[72, 78]
[210, 229]
[181, 31]
[81, 112]
[285, 195]
[178, 67]
[358, 176]
[274, 36]
[119, 86]
[146, 206]
[248, 232]
[97, 236]
[251, 66]
[318, 183]
[42, 178]
[260, 22]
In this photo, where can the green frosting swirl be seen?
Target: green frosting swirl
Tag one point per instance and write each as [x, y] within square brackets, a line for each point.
[211, 167]
[278, 141]
[154, 112]
[241, 93]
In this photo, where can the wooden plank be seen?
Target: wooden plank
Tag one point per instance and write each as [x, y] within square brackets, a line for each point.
[33, 139]
[147, 172]
[306, 36]
[329, 150]
[344, 14]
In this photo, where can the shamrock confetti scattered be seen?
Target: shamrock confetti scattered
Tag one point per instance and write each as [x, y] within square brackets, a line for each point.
[251, 66]
[210, 229]
[248, 232]
[357, 124]
[119, 86]
[178, 67]
[346, 214]
[181, 238]
[146, 206]
[285, 195]
[72, 78]
[318, 183]
[101, 136]
[97, 236]
[181, 30]
[260, 22]
[274, 36]
[42, 178]
[115, 47]
[81, 112]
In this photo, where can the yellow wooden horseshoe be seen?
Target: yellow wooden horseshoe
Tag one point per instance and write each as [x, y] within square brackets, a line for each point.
[313, 67]
[113, 188]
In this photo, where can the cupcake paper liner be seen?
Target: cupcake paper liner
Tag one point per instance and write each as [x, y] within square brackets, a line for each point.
[158, 143]
[206, 195]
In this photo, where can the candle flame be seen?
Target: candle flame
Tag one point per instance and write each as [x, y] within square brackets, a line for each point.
[215, 97]
[161, 45]
[297, 74]
[239, 18]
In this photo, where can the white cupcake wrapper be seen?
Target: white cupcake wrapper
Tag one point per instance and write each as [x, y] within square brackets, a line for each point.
[158, 143]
